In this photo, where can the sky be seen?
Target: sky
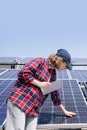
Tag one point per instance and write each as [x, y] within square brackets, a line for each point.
[38, 28]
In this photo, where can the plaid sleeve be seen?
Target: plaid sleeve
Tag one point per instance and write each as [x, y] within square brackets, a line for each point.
[55, 94]
[27, 73]
[55, 98]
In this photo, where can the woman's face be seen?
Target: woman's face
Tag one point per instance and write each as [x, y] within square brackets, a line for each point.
[62, 66]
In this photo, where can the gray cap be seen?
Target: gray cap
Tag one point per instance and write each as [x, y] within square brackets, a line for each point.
[66, 56]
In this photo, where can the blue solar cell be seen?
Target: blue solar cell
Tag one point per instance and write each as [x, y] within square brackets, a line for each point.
[62, 74]
[9, 74]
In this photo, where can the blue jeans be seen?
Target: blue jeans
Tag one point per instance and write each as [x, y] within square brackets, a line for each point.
[18, 120]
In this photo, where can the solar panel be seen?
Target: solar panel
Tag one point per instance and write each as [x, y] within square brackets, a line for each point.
[72, 98]
[50, 116]
[9, 74]
[81, 75]
[79, 60]
[5, 86]
[62, 74]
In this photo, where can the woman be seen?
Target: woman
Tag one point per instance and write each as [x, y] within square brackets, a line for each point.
[26, 98]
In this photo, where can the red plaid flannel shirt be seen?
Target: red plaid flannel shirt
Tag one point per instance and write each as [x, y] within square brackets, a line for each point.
[27, 96]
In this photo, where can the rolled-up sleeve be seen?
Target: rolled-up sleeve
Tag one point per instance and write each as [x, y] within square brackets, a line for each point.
[56, 98]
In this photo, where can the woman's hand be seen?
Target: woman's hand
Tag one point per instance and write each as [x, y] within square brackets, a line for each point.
[67, 113]
[44, 85]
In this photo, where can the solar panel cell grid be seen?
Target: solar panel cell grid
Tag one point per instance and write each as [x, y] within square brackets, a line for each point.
[81, 75]
[73, 101]
[9, 74]
[5, 86]
[62, 74]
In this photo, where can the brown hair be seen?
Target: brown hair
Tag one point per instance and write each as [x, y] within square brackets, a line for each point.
[55, 60]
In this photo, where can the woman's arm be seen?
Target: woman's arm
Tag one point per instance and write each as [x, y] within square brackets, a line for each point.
[40, 84]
